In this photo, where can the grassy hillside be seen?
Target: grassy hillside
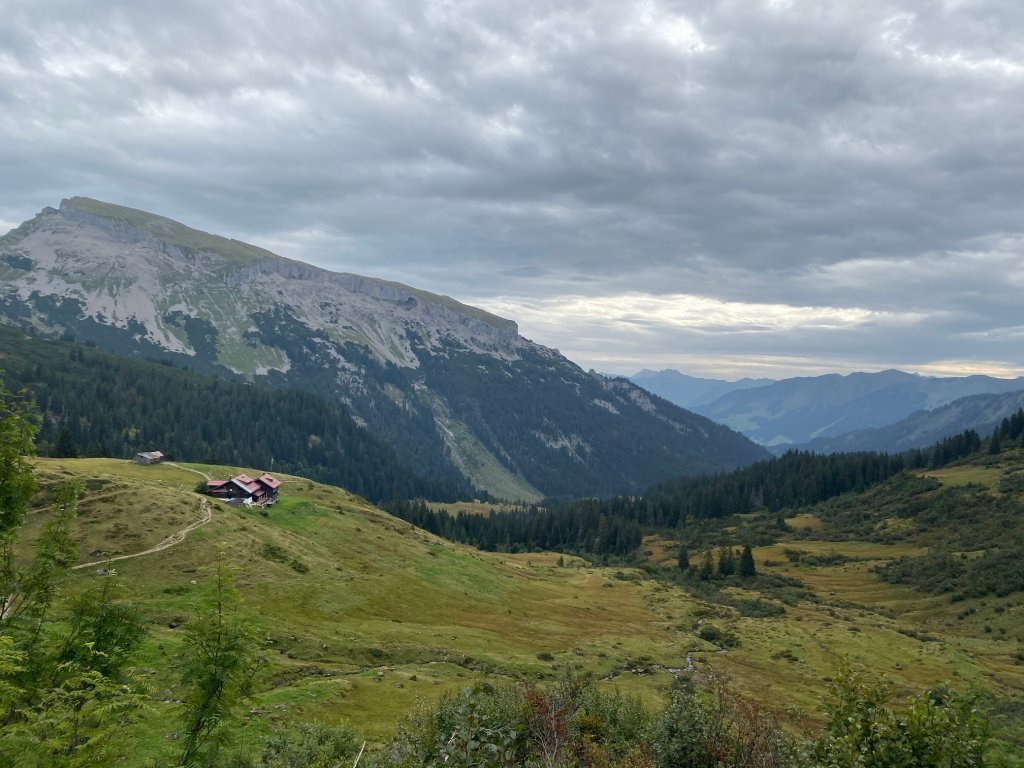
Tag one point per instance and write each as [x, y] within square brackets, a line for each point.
[362, 615]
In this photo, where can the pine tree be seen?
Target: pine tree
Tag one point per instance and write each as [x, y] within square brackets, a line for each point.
[684, 559]
[66, 447]
[747, 567]
[726, 562]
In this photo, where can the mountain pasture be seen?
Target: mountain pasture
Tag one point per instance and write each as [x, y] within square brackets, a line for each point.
[364, 617]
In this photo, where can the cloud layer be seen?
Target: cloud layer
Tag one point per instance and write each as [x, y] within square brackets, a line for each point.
[718, 186]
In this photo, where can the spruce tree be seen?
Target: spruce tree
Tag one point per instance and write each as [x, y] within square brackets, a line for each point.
[747, 567]
[66, 447]
[726, 561]
[684, 559]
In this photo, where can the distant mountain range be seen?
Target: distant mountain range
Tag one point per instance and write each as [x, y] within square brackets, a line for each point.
[455, 391]
[982, 413]
[691, 391]
[859, 411]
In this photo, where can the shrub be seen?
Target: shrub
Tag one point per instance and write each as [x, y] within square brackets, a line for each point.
[863, 728]
[310, 745]
[720, 730]
[723, 638]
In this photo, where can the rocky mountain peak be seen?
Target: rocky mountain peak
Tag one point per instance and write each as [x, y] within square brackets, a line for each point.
[137, 271]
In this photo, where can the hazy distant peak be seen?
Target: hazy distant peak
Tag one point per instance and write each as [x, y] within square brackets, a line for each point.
[690, 391]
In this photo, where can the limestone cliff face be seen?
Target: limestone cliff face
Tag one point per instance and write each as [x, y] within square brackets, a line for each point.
[128, 268]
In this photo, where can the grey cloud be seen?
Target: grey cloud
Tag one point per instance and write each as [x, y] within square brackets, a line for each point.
[579, 147]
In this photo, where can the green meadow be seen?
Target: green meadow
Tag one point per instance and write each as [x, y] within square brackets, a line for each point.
[363, 618]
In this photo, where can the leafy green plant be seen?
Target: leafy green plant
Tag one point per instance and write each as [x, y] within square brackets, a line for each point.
[720, 730]
[864, 728]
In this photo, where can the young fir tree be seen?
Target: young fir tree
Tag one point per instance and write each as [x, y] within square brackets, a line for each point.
[220, 660]
[684, 559]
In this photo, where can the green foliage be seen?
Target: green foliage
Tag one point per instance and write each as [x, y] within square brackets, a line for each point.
[220, 659]
[77, 720]
[568, 724]
[747, 568]
[62, 699]
[684, 558]
[726, 562]
[19, 423]
[584, 528]
[65, 447]
[719, 731]
[306, 745]
[758, 609]
[707, 566]
[865, 729]
[796, 479]
[616, 526]
[996, 572]
[719, 637]
[102, 632]
[952, 448]
[479, 741]
[26, 591]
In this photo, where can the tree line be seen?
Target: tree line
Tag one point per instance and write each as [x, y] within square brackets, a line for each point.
[585, 528]
[616, 525]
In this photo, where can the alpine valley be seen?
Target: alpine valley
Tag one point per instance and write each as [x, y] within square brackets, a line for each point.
[667, 612]
[455, 392]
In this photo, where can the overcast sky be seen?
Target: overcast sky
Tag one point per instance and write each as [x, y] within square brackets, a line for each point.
[726, 188]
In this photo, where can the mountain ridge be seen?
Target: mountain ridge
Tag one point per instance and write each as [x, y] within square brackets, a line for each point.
[690, 391]
[981, 413]
[798, 410]
[454, 389]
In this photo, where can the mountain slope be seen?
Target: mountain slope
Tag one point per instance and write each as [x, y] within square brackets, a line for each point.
[691, 391]
[795, 411]
[981, 413]
[456, 391]
[106, 405]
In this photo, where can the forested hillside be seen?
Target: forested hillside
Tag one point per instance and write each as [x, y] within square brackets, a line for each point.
[981, 413]
[616, 526]
[97, 404]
